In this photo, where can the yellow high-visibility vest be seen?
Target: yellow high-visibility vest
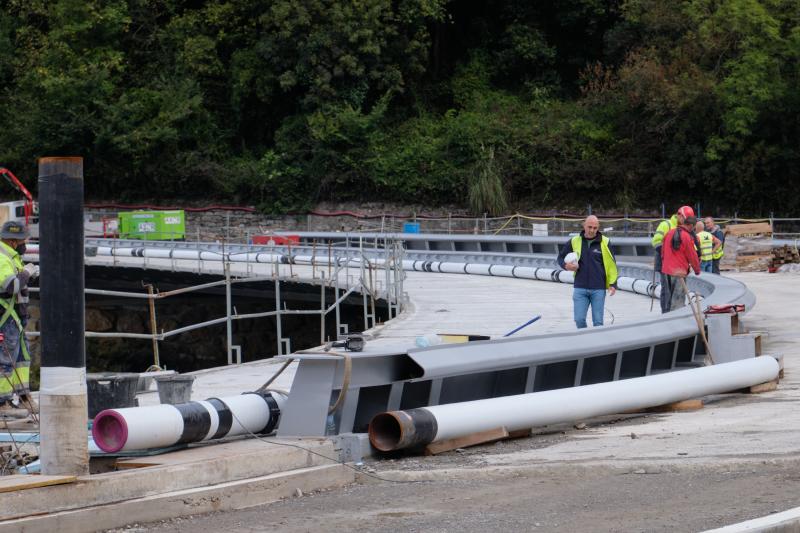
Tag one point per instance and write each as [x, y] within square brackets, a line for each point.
[608, 260]
[662, 229]
[706, 245]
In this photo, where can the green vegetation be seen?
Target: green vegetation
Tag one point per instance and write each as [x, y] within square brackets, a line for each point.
[492, 105]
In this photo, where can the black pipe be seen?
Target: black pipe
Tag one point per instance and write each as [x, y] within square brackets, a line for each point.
[61, 261]
[396, 430]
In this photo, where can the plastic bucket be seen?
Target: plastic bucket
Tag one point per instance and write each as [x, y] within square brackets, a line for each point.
[174, 389]
[111, 390]
[144, 383]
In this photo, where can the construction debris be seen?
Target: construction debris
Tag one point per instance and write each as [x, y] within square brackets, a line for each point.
[748, 248]
[784, 255]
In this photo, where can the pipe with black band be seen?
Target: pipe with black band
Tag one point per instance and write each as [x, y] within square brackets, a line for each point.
[161, 426]
[414, 428]
[62, 394]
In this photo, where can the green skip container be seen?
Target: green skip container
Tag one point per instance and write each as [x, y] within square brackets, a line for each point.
[152, 225]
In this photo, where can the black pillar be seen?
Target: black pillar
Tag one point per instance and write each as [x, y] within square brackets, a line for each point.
[62, 396]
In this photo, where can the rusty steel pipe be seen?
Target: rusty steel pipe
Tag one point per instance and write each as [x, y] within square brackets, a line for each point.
[396, 430]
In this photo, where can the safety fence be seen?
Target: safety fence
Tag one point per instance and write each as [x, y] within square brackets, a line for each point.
[244, 227]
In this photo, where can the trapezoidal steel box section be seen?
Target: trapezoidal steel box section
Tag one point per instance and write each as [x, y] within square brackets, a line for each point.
[443, 374]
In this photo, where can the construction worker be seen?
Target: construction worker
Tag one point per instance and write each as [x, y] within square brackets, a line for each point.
[15, 358]
[707, 246]
[595, 271]
[658, 237]
[678, 256]
[717, 232]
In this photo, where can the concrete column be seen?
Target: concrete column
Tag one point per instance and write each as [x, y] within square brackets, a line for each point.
[62, 397]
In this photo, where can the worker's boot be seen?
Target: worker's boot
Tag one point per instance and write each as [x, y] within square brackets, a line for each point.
[26, 401]
[8, 410]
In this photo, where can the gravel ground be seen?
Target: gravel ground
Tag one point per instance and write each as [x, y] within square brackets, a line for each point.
[465, 493]
[643, 500]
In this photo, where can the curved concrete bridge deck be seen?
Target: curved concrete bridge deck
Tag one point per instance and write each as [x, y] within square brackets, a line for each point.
[437, 303]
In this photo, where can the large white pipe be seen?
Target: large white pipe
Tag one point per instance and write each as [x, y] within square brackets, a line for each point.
[483, 269]
[160, 426]
[415, 427]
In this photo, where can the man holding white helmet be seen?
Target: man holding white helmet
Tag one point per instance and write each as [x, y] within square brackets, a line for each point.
[588, 255]
[15, 360]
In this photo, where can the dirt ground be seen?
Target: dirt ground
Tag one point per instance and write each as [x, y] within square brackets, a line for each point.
[523, 501]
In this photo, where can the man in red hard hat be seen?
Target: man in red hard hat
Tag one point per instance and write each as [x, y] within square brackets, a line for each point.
[658, 238]
[678, 257]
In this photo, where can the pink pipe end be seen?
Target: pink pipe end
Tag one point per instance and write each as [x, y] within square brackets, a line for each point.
[110, 431]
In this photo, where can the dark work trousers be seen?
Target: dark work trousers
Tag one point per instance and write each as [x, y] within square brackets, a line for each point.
[715, 266]
[675, 295]
[664, 298]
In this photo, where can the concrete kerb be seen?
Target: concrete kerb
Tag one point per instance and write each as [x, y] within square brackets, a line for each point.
[583, 468]
[220, 497]
[231, 462]
[785, 522]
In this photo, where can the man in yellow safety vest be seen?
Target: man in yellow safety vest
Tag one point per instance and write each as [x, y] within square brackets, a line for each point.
[717, 232]
[15, 360]
[589, 257]
[708, 246]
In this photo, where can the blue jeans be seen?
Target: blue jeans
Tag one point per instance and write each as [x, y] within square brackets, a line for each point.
[581, 299]
[707, 266]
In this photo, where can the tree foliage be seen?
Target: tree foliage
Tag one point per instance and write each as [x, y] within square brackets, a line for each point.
[491, 104]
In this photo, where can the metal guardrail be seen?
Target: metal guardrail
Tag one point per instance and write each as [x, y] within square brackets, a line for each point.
[423, 242]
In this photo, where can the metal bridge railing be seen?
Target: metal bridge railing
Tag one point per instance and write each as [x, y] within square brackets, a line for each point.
[337, 268]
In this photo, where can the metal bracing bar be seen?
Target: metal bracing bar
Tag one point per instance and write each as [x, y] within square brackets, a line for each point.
[322, 308]
[371, 290]
[228, 305]
[363, 285]
[99, 335]
[336, 302]
[278, 324]
[276, 313]
[184, 329]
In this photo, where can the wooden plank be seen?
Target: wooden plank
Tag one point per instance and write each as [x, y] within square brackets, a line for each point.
[769, 386]
[482, 437]
[685, 405]
[748, 229]
[20, 424]
[519, 434]
[21, 482]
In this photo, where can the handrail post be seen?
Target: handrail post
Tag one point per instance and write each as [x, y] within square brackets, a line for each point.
[228, 305]
[153, 327]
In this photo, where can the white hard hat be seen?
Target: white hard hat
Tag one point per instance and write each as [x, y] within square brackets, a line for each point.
[571, 257]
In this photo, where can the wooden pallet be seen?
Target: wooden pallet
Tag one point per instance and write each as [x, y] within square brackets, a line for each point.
[759, 228]
[473, 439]
[784, 255]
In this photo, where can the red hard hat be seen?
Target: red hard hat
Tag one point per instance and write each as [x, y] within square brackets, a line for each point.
[686, 211]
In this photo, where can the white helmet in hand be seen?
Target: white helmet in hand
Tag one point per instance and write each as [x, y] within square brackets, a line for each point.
[32, 269]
